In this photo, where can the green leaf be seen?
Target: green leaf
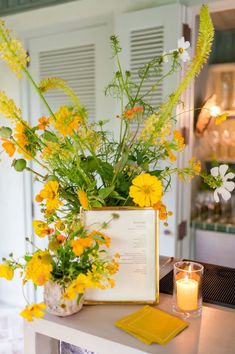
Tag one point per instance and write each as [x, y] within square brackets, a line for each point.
[115, 195]
[27, 258]
[106, 171]
[105, 192]
[49, 136]
[95, 204]
[5, 132]
[19, 165]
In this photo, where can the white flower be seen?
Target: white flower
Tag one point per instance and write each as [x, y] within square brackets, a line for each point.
[227, 186]
[182, 46]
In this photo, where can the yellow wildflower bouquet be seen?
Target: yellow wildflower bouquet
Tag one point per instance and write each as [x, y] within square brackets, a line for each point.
[81, 164]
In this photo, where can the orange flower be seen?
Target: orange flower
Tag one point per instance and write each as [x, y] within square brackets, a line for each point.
[132, 112]
[44, 121]
[129, 114]
[100, 238]
[60, 238]
[79, 244]
[9, 147]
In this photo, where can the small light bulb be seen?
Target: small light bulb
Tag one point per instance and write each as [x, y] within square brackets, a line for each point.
[215, 110]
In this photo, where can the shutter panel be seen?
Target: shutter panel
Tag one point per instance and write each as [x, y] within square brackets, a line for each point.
[145, 34]
[146, 44]
[76, 65]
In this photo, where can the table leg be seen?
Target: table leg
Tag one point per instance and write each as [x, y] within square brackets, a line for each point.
[35, 343]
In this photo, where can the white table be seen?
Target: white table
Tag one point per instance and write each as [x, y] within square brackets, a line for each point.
[93, 328]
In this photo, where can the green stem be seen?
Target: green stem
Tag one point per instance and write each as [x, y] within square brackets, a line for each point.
[38, 91]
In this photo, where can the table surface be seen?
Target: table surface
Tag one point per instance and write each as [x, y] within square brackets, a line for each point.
[93, 328]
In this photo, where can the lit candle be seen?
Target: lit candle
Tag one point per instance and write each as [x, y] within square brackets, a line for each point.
[187, 294]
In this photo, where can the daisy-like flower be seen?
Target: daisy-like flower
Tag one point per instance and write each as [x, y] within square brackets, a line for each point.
[146, 190]
[182, 46]
[226, 187]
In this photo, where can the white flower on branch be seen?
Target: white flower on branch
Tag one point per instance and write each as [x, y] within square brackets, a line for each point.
[226, 186]
[182, 46]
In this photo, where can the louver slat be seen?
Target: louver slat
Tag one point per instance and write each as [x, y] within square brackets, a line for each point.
[146, 44]
[76, 65]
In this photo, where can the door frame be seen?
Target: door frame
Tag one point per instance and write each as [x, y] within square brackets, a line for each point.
[192, 13]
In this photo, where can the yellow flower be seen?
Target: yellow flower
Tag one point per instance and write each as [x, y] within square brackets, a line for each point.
[41, 228]
[171, 156]
[78, 286]
[39, 268]
[102, 239]
[8, 107]
[50, 194]
[146, 190]
[80, 244]
[195, 165]
[66, 121]
[33, 310]
[82, 196]
[9, 147]
[179, 140]
[6, 271]
[221, 118]
[12, 51]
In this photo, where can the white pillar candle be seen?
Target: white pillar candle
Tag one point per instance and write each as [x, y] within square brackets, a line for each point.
[187, 294]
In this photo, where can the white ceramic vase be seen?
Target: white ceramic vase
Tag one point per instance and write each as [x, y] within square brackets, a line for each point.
[55, 302]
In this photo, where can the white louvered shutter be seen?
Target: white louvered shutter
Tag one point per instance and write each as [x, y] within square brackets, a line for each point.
[144, 45]
[76, 65]
[143, 35]
[80, 57]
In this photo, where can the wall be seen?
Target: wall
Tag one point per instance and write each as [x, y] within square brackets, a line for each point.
[12, 218]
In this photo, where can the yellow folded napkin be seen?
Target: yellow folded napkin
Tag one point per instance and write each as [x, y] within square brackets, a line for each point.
[151, 325]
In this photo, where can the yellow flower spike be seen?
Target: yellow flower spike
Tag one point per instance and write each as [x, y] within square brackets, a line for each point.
[52, 83]
[195, 165]
[171, 156]
[9, 147]
[221, 118]
[8, 107]
[82, 196]
[12, 51]
[33, 310]
[179, 140]
[6, 271]
[146, 190]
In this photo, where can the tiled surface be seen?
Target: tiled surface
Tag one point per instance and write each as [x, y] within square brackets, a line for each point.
[11, 330]
[227, 228]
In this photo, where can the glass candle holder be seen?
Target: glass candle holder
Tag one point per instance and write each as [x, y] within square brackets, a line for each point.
[187, 294]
